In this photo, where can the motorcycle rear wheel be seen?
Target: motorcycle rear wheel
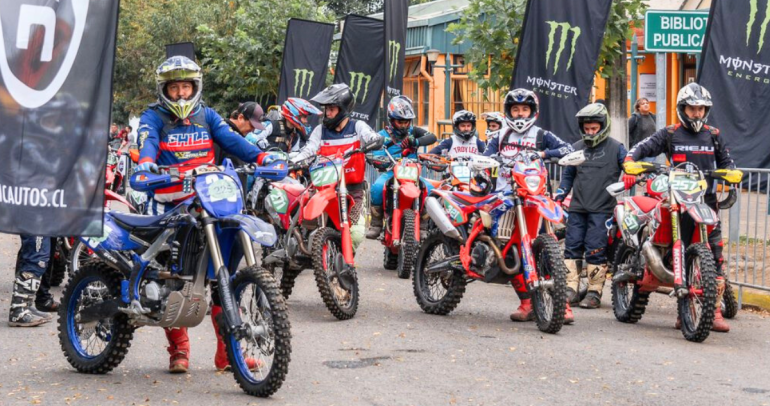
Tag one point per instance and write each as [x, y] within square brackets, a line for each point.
[60, 264]
[628, 303]
[549, 304]
[696, 311]
[729, 302]
[409, 246]
[327, 263]
[389, 260]
[437, 293]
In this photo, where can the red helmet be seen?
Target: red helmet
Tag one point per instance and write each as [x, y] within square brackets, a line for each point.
[294, 108]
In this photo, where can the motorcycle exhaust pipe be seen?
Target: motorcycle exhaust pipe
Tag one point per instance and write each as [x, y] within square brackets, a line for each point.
[655, 263]
[499, 255]
[438, 215]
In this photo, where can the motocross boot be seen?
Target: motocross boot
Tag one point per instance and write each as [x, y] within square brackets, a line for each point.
[596, 277]
[178, 349]
[22, 313]
[221, 362]
[720, 325]
[573, 280]
[375, 225]
[524, 312]
[569, 318]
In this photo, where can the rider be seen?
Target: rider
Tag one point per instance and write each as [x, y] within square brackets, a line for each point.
[692, 141]
[521, 110]
[31, 283]
[495, 121]
[464, 141]
[290, 130]
[180, 131]
[591, 206]
[340, 133]
[400, 135]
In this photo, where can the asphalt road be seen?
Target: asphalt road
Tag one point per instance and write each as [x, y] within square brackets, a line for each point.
[392, 353]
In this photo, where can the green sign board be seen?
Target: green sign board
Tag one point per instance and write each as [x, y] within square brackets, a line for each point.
[674, 31]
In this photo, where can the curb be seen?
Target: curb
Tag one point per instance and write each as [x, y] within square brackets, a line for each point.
[759, 300]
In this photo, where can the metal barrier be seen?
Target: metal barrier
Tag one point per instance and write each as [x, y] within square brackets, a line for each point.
[745, 232]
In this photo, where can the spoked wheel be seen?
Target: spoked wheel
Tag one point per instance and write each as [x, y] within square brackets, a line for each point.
[696, 308]
[260, 358]
[409, 246]
[729, 302]
[60, 263]
[628, 303]
[79, 255]
[389, 260]
[94, 347]
[437, 292]
[549, 300]
[328, 264]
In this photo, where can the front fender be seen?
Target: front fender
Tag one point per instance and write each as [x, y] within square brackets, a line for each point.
[258, 230]
[317, 204]
[547, 208]
[409, 190]
[701, 213]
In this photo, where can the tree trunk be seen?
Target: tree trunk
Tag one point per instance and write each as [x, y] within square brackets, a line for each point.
[617, 99]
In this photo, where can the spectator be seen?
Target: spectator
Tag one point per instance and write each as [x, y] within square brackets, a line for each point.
[642, 122]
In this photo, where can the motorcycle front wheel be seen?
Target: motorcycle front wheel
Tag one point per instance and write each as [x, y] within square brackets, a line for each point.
[260, 359]
[328, 264]
[409, 246]
[550, 303]
[729, 302]
[696, 308]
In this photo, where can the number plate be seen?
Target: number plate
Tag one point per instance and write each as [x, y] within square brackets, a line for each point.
[223, 189]
[407, 173]
[462, 172]
[325, 175]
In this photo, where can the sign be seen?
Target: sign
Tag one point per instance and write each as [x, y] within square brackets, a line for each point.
[56, 65]
[674, 31]
[647, 87]
[396, 15]
[305, 59]
[558, 50]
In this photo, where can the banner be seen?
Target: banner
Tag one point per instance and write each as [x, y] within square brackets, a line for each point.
[305, 59]
[557, 55]
[396, 16]
[360, 64]
[56, 60]
[735, 69]
[181, 49]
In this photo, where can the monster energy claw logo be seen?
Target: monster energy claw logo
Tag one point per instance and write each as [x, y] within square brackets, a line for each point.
[302, 77]
[565, 30]
[357, 81]
[762, 27]
[394, 48]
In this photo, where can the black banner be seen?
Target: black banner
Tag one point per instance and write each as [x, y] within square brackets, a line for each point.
[181, 49]
[396, 16]
[360, 64]
[305, 59]
[56, 60]
[735, 69]
[557, 55]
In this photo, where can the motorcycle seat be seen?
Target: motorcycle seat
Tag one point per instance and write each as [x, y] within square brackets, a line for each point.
[645, 204]
[137, 220]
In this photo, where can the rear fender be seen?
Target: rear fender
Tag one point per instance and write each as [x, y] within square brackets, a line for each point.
[547, 208]
[109, 195]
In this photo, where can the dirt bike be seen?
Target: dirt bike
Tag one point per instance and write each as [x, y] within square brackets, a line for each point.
[401, 209]
[491, 239]
[153, 271]
[458, 175]
[653, 253]
[320, 224]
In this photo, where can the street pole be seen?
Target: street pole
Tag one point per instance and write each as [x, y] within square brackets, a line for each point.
[660, 89]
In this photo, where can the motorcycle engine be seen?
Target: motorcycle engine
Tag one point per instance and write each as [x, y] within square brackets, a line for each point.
[482, 258]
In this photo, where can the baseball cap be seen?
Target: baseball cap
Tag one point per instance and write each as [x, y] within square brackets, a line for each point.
[253, 112]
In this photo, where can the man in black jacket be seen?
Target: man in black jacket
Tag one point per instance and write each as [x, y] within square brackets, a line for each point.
[693, 141]
[642, 122]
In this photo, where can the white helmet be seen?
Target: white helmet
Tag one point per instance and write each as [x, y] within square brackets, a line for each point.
[521, 96]
[493, 117]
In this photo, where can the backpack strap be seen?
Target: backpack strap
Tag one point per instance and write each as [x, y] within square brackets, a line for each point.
[539, 139]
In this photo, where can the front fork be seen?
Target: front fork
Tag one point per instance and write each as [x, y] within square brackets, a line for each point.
[527, 257]
[347, 241]
[677, 253]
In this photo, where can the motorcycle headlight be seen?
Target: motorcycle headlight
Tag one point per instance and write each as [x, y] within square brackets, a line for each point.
[533, 182]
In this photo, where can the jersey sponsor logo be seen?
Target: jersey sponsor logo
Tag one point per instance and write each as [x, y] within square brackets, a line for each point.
[465, 150]
[188, 139]
[697, 149]
[190, 155]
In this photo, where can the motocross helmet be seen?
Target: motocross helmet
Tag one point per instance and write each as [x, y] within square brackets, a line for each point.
[464, 116]
[693, 95]
[400, 108]
[493, 117]
[594, 113]
[521, 96]
[179, 69]
[483, 180]
[336, 95]
[294, 109]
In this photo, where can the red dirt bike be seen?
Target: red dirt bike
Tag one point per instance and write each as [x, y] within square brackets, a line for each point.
[653, 253]
[320, 224]
[491, 239]
[457, 175]
[401, 209]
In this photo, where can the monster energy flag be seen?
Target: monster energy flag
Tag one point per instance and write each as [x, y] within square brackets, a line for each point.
[181, 49]
[360, 64]
[735, 69]
[56, 59]
[396, 14]
[557, 56]
[305, 59]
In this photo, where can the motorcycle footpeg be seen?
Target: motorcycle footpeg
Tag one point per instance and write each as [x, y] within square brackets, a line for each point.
[347, 277]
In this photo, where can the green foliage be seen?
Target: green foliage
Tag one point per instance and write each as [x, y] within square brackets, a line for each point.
[494, 26]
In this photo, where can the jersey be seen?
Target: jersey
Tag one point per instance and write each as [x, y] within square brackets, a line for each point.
[424, 137]
[455, 147]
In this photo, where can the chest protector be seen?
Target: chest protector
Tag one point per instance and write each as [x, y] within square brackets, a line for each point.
[333, 142]
[533, 138]
[462, 148]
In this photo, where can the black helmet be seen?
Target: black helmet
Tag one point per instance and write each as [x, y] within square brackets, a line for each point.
[483, 176]
[336, 95]
[464, 116]
[693, 95]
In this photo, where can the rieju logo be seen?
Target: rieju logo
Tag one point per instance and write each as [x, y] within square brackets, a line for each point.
[303, 77]
[565, 29]
[43, 17]
[762, 26]
[394, 48]
[359, 80]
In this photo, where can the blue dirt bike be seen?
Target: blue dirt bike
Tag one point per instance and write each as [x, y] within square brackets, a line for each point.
[154, 271]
